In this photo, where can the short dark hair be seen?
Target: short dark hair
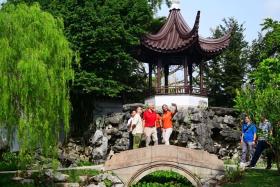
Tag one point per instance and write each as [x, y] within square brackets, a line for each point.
[131, 111]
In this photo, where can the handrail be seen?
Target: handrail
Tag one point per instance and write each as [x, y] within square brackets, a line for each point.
[177, 90]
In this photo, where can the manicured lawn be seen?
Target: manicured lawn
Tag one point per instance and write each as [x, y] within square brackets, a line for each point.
[258, 178]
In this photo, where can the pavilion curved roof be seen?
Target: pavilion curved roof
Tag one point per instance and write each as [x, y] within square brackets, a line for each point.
[176, 36]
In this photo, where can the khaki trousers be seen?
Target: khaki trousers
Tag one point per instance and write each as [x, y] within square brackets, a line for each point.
[150, 133]
[137, 140]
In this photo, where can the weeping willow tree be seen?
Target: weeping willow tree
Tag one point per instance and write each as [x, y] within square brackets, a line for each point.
[35, 68]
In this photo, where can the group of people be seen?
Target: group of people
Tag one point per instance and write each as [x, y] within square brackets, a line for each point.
[254, 141]
[156, 127]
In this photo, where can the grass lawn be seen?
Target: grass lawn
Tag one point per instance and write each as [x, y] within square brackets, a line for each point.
[258, 178]
[41, 181]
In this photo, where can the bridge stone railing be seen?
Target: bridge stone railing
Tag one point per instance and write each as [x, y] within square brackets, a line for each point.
[196, 165]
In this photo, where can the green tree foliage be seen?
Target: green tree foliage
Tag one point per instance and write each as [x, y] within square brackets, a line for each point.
[105, 34]
[265, 46]
[262, 98]
[35, 68]
[226, 72]
[156, 4]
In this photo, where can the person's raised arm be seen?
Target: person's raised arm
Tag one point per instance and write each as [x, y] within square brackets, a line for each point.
[174, 109]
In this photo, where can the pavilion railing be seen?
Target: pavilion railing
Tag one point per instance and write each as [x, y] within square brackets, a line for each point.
[177, 90]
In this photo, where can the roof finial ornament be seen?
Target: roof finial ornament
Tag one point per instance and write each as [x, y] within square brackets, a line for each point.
[175, 4]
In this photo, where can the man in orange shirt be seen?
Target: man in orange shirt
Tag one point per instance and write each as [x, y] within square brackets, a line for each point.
[150, 131]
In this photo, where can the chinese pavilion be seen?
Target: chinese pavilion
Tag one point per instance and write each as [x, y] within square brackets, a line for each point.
[178, 44]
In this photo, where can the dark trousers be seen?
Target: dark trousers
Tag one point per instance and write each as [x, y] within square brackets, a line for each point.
[261, 146]
[130, 146]
[159, 135]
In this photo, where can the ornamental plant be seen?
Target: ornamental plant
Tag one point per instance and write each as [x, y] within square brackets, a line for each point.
[35, 69]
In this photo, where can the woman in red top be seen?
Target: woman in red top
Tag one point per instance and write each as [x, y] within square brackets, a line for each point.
[167, 124]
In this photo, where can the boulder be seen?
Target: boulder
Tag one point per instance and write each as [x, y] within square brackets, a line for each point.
[114, 179]
[83, 178]
[133, 106]
[97, 185]
[184, 136]
[220, 111]
[197, 117]
[223, 152]
[88, 150]
[56, 176]
[230, 134]
[179, 116]
[115, 119]
[229, 120]
[194, 145]
[113, 132]
[66, 185]
[120, 145]
[97, 138]
[79, 148]
[99, 122]
[204, 137]
[99, 153]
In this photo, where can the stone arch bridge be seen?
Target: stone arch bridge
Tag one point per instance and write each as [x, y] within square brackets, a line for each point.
[196, 165]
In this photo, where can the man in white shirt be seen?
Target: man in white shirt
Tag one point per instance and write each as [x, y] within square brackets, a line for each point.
[137, 128]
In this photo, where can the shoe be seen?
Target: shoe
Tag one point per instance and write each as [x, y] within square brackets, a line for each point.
[250, 166]
[242, 164]
[268, 167]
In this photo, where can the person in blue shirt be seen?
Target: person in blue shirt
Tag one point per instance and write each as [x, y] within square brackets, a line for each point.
[248, 139]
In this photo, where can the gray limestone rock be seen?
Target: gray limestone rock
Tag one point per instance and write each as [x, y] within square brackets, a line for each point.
[229, 120]
[97, 138]
[56, 176]
[230, 134]
[184, 136]
[133, 106]
[99, 153]
[115, 119]
[66, 185]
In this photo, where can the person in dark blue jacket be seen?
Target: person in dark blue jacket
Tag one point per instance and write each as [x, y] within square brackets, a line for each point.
[248, 140]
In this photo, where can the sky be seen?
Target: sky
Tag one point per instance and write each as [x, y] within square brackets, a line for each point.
[250, 12]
